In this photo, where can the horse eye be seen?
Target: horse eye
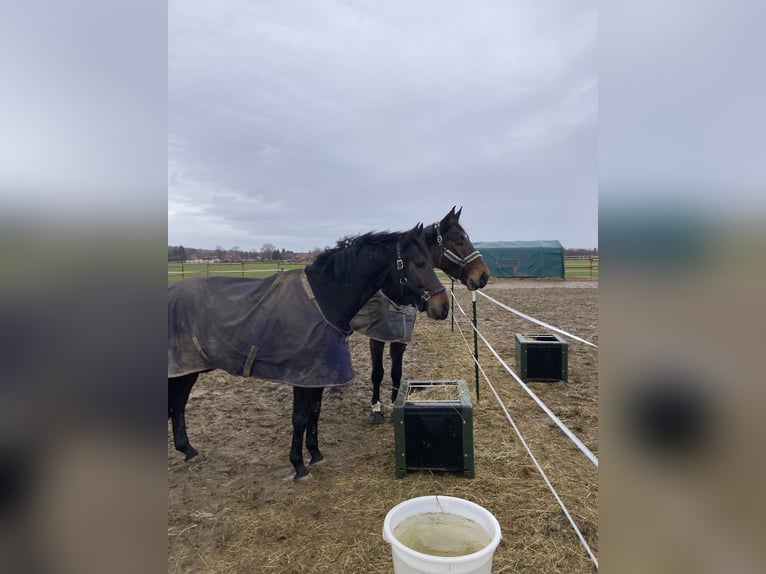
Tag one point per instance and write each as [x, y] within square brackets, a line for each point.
[420, 264]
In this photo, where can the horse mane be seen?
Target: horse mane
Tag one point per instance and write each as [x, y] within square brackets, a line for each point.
[343, 258]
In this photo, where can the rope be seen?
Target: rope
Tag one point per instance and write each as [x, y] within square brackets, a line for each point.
[528, 318]
[578, 443]
[526, 447]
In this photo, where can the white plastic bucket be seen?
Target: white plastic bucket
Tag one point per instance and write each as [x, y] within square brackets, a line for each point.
[409, 561]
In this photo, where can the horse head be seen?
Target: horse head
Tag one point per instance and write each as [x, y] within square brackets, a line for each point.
[412, 280]
[452, 252]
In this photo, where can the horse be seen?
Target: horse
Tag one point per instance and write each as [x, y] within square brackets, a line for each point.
[383, 321]
[292, 327]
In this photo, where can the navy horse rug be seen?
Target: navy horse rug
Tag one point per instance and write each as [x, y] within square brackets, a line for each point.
[268, 328]
[383, 320]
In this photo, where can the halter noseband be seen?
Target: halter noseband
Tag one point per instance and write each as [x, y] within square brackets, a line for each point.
[451, 255]
[405, 285]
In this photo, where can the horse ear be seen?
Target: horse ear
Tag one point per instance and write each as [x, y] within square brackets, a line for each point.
[414, 232]
[457, 214]
[447, 218]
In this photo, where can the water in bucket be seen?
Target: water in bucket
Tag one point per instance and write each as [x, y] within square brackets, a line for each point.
[441, 534]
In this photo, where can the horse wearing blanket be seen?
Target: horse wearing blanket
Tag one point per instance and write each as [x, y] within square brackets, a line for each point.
[292, 327]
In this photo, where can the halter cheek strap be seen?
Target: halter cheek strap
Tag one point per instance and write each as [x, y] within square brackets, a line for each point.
[405, 285]
[439, 242]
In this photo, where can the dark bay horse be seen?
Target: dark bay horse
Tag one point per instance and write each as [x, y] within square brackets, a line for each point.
[451, 250]
[292, 327]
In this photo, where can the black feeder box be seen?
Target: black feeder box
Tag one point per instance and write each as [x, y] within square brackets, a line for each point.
[433, 427]
[541, 357]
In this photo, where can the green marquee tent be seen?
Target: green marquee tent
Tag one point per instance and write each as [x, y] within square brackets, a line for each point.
[523, 258]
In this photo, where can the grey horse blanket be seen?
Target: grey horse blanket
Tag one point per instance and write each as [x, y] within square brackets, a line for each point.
[267, 328]
[383, 320]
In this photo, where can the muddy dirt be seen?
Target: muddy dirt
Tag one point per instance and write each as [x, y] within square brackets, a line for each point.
[235, 508]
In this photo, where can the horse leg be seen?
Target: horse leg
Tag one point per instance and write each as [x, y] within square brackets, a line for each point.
[301, 407]
[178, 394]
[397, 355]
[312, 430]
[376, 354]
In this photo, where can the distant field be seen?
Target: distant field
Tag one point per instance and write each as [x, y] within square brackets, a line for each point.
[178, 271]
[572, 268]
[580, 267]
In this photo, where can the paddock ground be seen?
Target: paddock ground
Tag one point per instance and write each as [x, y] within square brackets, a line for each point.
[236, 509]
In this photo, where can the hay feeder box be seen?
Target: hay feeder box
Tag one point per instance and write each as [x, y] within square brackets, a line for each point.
[542, 357]
[433, 427]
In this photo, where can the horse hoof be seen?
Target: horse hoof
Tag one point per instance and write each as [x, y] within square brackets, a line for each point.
[190, 454]
[302, 474]
[316, 459]
[376, 418]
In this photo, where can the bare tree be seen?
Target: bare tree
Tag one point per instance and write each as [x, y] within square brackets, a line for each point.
[267, 249]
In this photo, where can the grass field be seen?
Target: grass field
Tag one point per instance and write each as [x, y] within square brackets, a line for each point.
[580, 268]
[572, 268]
[252, 270]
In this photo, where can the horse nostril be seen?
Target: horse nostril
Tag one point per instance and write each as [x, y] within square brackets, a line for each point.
[483, 280]
[439, 312]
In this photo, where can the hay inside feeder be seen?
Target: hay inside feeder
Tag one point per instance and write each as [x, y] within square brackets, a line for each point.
[434, 392]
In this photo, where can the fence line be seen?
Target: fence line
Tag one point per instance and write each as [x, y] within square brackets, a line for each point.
[524, 443]
[528, 318]
[574, 267]
[577, 442]
[218, 271]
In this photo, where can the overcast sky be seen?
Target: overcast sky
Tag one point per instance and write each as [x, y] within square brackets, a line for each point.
[298, 122]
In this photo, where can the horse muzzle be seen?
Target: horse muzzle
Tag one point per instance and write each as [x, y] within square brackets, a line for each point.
[437, 305]
[477, 283]
[475, 274]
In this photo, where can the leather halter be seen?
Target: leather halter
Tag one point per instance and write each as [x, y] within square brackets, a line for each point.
[405, 285]
[451, 255]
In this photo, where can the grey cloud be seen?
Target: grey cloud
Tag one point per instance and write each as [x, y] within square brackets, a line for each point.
[310, 121]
